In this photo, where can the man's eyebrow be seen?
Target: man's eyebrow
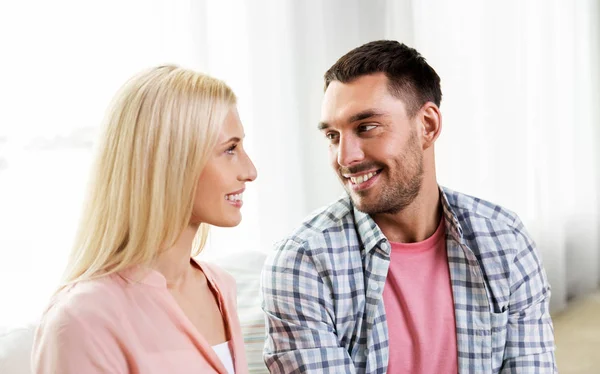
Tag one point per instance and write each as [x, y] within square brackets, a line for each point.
[322, 125]
[365, 114]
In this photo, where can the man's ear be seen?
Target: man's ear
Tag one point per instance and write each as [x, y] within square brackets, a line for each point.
[430, 123]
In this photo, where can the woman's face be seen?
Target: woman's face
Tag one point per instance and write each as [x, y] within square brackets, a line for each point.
[221, 185]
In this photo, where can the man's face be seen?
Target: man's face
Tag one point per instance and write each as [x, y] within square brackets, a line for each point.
[375, 148]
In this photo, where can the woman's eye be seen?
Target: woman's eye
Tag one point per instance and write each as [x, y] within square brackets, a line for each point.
[231, 150]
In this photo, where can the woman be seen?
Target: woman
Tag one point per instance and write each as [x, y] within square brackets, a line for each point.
[133, 300]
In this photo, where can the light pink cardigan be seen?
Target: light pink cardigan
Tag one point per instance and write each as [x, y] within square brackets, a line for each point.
[129, 323]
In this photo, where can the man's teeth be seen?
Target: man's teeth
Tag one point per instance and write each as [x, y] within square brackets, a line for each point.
[362, 178]
[235, 197]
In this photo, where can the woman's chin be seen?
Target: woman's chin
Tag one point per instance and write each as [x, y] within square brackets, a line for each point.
[228, 221]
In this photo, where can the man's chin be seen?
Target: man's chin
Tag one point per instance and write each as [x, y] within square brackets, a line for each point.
[362, 200]
[360, 203]
[372, 208]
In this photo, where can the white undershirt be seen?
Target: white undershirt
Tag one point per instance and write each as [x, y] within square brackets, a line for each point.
[224, 353]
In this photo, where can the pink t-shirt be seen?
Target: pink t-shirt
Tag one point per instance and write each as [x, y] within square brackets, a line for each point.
[128, 323]
[419, 307]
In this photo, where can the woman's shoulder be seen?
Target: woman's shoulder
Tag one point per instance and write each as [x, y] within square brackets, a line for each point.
[88, 304]
[79, 330]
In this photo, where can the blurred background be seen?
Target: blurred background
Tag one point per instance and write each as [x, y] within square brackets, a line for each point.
[521, 116]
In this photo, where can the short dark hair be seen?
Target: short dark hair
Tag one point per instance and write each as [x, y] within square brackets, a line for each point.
[410, 76]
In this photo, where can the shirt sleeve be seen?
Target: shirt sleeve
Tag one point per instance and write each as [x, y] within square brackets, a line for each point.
[530, 334]
[299, 315]
[65, 343]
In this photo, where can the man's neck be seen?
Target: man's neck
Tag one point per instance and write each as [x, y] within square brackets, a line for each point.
[416, 222]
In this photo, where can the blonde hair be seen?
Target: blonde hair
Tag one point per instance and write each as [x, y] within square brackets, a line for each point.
[160, 130]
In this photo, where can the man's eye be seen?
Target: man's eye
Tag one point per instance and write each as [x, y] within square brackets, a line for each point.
[331, 135]
[364, 128]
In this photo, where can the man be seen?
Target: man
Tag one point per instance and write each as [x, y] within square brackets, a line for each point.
[401, 275]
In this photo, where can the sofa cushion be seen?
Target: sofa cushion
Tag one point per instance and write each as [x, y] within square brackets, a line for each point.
[15, 349]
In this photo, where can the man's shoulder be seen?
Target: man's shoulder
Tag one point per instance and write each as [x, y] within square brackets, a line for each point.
[334, 217]
[471, 210]
[322, 232]
[495, 234]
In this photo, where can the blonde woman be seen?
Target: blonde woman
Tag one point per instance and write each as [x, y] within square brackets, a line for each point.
[171, 162]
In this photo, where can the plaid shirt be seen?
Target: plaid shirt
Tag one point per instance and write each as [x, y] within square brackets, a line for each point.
[322, 293]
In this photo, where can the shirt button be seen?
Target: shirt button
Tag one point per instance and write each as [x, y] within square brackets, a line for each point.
[374, 286]
[384, 245]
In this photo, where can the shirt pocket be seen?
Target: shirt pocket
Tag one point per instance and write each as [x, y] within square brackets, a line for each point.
[498, 322]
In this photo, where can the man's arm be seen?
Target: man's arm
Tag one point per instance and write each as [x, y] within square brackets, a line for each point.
[300, 316]
[530, 335]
